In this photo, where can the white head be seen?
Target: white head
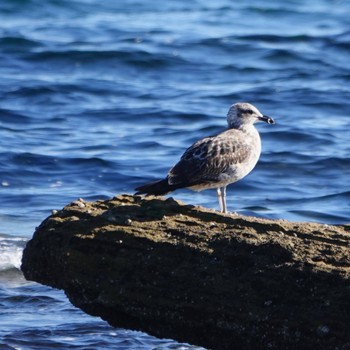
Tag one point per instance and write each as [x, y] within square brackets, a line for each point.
[243, 113]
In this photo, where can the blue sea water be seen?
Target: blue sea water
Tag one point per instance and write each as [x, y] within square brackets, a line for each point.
[97, 98]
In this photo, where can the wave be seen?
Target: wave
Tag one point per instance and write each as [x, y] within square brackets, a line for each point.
[11, 249]
[13, 43]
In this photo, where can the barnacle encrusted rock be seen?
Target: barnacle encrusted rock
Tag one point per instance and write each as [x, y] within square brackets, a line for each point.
[222, 281]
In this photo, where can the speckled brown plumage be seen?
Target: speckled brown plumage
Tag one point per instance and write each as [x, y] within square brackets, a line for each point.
[207, 159]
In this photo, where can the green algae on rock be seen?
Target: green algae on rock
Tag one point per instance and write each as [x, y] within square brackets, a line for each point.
[222, 281]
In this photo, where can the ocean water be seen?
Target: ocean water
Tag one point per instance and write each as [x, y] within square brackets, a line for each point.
[97, 98]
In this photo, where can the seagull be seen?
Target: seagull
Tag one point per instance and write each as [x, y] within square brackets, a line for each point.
[216, 161]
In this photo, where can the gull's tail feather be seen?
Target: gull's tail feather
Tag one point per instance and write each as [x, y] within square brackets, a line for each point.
[156, 188]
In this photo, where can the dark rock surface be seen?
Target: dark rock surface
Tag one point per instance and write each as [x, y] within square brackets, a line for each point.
[199, 276]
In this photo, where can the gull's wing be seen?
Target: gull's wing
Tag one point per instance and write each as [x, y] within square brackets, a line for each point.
[209, 158]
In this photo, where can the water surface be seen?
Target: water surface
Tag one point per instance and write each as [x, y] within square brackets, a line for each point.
[98, 98]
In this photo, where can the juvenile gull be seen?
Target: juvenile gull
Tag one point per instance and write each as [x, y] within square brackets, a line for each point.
[216, 161]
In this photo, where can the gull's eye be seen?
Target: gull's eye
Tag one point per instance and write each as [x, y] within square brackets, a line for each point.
[248, 111]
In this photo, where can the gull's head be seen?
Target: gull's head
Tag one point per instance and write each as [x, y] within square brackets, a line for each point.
[244, 113]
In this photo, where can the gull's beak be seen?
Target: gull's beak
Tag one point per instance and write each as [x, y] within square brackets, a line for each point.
[267, 119]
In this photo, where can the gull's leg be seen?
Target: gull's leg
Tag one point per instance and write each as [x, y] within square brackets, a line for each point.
[223, 199]
[221, 205]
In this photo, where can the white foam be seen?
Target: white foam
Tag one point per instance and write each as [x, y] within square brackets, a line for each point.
[11, 249]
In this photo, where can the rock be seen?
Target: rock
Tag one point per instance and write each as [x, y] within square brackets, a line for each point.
[221, 281]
